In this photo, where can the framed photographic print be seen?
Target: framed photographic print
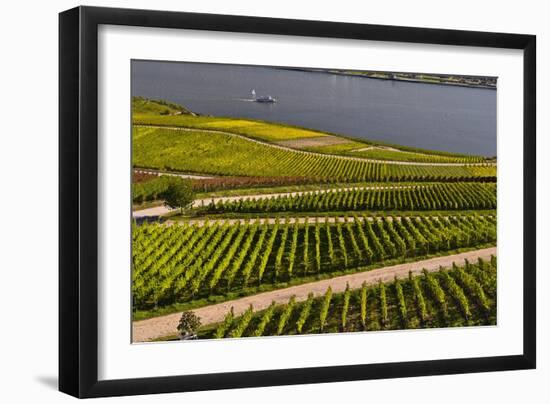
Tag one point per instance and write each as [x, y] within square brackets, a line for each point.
[251, 201]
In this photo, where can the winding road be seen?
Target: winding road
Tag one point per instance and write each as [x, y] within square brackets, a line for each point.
[150, 329]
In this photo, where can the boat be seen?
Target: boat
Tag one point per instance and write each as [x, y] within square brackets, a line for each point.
[264, 98]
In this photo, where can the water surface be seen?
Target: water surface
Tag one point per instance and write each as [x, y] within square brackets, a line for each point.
[438, 117]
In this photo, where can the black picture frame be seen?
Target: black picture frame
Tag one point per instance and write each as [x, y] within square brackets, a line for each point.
[78, 196]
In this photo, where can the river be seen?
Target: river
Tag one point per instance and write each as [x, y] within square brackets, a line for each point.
[439, 117]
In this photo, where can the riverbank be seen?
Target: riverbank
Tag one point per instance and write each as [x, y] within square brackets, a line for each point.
[446, 80]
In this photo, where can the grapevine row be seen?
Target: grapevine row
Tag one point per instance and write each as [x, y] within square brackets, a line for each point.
[223, 154]
[442, 196]
[194, 261]
[433, 299]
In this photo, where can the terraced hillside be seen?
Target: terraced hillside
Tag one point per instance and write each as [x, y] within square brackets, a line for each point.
[219, 153]
[446, 196]
[296, 137]
[455, 297]
[276, 207]
[186, 262]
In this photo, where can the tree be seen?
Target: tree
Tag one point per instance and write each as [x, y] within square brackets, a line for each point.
[179, 194]
[189, 325]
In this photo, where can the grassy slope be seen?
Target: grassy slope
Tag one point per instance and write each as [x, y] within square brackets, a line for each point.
[157, 107]
[223, 154]
[273, 132]
[254, 129]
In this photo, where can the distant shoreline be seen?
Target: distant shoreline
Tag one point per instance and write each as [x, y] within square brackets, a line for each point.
[445, 80]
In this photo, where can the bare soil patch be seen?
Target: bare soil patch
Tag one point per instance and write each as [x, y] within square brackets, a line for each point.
[313, 142]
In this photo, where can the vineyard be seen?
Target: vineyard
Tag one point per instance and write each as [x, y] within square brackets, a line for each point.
[144, 114]
[186, 262]
[148, 186]
[357, 149]
[453, 196]
[456, 297]
[378, 153]
[196, 151]
[399, 155]
[261, 211]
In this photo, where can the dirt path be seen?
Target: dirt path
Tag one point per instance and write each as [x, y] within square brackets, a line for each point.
[207, 201]
[393, 149]
[157, 327]
[278, 146]
[172, 174]
[151, 212]
[163, 210]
